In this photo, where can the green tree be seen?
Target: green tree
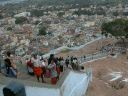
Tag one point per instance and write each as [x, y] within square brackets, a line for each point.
[117, 28]
[20, 20]
[1, 16]
[42, 31]
[37, 13]
[60, 14]
[115, 13]
[9, 28]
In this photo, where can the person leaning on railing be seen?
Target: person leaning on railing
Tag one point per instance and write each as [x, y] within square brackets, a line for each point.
[11, 68]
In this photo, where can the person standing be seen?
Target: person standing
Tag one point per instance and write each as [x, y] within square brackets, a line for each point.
[67, 62]
[11, 68]
[37, 68]
[52, 67]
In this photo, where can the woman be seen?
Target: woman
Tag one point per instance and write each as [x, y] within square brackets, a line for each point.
[37, 68]
[52, 67]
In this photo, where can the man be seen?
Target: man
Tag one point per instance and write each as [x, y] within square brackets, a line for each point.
[11, 69]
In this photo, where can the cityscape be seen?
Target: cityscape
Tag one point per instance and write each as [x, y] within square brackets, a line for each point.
[76, 47]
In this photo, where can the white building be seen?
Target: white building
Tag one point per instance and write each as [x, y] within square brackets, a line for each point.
[23, 14]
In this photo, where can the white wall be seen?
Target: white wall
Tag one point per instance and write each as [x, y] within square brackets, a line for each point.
[75, 84]
[35, 91]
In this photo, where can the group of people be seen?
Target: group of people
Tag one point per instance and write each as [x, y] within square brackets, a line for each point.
[40, 67]
[51, 67]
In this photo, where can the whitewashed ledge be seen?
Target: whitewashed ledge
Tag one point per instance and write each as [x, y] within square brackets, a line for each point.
[72, 83]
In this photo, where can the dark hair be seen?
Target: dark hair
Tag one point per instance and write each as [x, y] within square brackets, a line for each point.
[51, 58]
[51, 55]
[82, 67]
[34, 55]
[8, 53]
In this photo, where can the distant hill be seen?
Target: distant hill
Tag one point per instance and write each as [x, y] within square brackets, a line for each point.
[58, 2]
[3, 0]
[51, 2]
[10, 1]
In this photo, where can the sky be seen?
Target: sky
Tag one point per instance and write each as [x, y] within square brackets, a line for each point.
[9, 1]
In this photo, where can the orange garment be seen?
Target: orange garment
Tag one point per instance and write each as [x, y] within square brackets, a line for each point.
[37, 71]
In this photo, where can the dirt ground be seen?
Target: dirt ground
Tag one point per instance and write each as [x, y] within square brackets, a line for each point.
[101, 84]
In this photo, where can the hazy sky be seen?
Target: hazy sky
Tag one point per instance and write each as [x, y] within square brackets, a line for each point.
[10, 1]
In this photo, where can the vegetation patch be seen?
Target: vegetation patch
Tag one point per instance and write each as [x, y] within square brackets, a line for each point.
[117, 84]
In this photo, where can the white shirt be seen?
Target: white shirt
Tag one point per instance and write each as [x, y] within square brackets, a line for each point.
[36, 62]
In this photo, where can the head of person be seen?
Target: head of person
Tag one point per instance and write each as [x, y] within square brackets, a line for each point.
[8, 53]
[51, 56]
[34, 56]
[82, 68]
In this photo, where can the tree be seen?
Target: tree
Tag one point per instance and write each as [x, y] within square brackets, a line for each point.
[37, 13]
[117, 28]
[1, 16]
[42, 31]
[20, 20]
[9, 28]
[60, 14]
[115, 13]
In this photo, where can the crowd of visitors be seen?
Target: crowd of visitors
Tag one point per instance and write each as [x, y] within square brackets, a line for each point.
[40, 67]
[51, 67]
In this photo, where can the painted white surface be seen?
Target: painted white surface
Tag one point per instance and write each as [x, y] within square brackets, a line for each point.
[35, 91]
[116, 76]
[125, 80]
[75, 84]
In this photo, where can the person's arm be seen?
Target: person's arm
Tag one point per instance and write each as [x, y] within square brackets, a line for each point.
[13, 63]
